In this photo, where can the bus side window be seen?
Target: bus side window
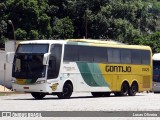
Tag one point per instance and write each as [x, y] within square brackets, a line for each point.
[52, 67]
[54, 61]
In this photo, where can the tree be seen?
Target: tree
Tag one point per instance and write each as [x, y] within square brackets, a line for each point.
[21, 34]
[33, 35]
[63, 28]
[127, 21]
[45, 30]
[3, 24]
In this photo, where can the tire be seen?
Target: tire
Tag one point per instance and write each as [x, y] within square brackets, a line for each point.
[156, 92]
[67, 92]
[117, 94]
[37, 95]
[124, 90]
[133, 89]
[100, 94]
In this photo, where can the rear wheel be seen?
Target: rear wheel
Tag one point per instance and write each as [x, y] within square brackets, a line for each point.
[37, 95]
[124, 90]
[117, 94]
[133, 89]
[67, 92]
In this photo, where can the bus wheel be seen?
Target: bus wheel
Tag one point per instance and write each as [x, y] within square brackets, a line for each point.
[37, 95]
[133, 89]
[67, 92]
[124, 89]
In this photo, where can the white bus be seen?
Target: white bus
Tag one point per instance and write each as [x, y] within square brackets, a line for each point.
[156, 73]
[58, 67]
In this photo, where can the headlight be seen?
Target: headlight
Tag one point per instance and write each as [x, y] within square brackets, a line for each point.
[13, 81]
[40, 82]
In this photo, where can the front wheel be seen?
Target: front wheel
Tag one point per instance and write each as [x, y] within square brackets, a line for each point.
[37, 95]
[67, 92]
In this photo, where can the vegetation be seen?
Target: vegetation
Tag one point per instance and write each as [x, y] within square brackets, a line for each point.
[127, 21]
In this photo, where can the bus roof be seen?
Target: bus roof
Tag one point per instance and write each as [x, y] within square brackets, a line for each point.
[108, 43]
[156, 56]
[88, 42]
[42, 42]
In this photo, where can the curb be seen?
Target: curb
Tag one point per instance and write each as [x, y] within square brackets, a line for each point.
[11, 92]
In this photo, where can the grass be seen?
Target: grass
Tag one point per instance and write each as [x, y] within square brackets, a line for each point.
[2, 94]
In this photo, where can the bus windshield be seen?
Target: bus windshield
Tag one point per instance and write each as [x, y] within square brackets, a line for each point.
[28, 66]
[32, 48]
[28, 61]
[156, 71]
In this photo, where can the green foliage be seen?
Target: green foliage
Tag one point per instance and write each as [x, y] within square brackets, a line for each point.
[21, 34]
[151, 40]
[3, 24]
[63, 28]
[33, 35]
[127, 21]
[45, 29]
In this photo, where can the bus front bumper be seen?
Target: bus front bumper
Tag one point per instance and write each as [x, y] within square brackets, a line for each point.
[44, 88]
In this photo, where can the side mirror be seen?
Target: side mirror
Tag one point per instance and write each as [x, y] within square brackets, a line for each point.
[46, 58]
[9, 57]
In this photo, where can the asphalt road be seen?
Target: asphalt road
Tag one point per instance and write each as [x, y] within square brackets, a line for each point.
[82, 102]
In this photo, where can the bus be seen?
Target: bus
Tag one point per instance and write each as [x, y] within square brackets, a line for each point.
[156, 73]
[61, 67]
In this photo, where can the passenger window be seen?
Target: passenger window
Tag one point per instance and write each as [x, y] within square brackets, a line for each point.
[125, 56]
[146, 57]
[54, 61]
[113, 55]
[136, 57]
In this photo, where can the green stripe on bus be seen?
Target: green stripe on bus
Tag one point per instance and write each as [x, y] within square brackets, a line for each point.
[97, 74]
[91, 74]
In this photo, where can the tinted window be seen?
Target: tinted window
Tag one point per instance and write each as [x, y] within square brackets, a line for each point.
[71, 53]
[136, 57]
[113, 55]
[32, 48]
[54, 61]
[104, 55]
[146, 57]
[125, 56]
[86, 53]
[156, 71]
[100, 54]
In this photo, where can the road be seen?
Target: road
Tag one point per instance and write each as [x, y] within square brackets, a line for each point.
[81, 102]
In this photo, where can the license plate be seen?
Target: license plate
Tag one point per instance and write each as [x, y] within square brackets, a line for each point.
[20, 81]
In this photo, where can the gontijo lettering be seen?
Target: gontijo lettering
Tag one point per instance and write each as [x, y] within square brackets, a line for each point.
[118, 68]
